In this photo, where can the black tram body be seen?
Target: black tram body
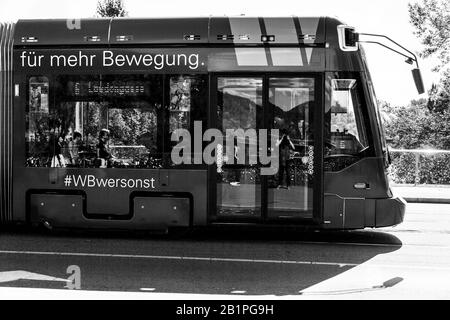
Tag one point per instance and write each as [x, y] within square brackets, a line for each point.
[141, 79]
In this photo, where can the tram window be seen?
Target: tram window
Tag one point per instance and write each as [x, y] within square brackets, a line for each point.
[97, 121]
[346, 124]
[37, 117]
[187, 104]
[180, 103]
[123, 117]
[239, 102]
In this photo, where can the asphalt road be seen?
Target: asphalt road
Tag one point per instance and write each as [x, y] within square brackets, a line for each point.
[410, 261]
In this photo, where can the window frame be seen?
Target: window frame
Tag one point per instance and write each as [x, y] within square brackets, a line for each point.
[368, 151]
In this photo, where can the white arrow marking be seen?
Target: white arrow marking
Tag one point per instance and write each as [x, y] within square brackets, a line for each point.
[9, 276]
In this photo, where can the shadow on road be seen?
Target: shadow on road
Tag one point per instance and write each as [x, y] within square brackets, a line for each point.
[228, 233]
[238, 261]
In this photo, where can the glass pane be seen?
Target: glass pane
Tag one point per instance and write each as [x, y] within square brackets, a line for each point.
[96, 121]
[180, 103]
[187, 104]
[346, 117]
[134, 135]
[37, 122]
[346, 124]
[291, 103]
[238, 182]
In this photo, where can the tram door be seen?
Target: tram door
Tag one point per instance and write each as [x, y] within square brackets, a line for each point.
[290, 108]
[238, 179]
[287, 104]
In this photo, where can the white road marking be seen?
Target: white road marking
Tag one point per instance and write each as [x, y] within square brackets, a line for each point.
[211, 259]
[238, 292]
[362, 244]
[208, 259]
[357, 244]
[338, 292]
[148, 289]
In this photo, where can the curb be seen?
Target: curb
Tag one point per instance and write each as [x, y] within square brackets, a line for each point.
[427, 200]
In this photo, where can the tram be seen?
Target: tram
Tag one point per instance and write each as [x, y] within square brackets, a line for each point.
[153, 124]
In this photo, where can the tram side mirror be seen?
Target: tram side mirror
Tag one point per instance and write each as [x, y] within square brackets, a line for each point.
[348, 38]
[418, 80]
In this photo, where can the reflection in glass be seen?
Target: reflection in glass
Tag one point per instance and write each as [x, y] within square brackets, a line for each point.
[347, 124]
[292, 102]
[187, 104]
[239, 185]
[38, 121]
[115, 116]
[180, 102]
[131, 110]
[133, 133]
[346, 134]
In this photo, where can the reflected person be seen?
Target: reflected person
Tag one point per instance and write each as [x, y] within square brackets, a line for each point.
[74, 148]
[103, 152]
[285, 146]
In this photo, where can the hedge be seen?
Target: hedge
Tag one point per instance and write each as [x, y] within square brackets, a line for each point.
[433, 169]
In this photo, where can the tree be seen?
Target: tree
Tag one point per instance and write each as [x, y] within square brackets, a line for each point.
[431, 21]
[416, 127]
[111, 8]
[439, 94]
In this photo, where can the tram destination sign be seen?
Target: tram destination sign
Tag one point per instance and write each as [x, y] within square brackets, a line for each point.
[102, 88]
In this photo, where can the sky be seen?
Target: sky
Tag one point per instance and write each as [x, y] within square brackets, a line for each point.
[391, 75]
